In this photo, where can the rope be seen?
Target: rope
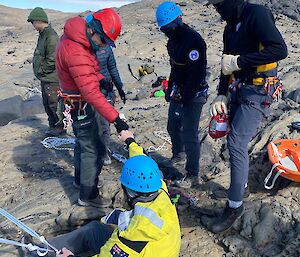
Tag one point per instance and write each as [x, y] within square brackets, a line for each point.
[30, 247]
[68, 119]
[30, 231]
[275, 177]
[163, 136]
[58, 143]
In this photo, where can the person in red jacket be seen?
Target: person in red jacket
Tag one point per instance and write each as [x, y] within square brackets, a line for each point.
[79, 79]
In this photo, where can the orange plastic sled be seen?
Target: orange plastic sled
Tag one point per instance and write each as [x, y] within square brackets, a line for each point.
[284, 154]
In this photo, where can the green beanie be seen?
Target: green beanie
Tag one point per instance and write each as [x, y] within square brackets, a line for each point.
[37, 14]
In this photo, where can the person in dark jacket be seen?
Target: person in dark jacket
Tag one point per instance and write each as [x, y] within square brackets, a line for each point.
[44, 68]
[110, 71]
[187, 89]
[252, 47]
[79, 77]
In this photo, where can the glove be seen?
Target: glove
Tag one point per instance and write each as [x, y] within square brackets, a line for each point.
[219, 105]
[229, 63]
[106, 85]
[120, 125]
[122, 95]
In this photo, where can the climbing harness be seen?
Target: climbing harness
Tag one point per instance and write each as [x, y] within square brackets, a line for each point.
[69, 100]
[273, 86]
[163, 136]
[40, 251]
[175, 93]
[59, 143]
[284, 154]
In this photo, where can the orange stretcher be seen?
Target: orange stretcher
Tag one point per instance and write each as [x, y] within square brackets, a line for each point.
[284, 154]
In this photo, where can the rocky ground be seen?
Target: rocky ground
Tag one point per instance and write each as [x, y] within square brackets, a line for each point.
[36, 183]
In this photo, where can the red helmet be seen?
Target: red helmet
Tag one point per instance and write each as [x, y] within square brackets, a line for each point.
[110, 21]
[219, 126]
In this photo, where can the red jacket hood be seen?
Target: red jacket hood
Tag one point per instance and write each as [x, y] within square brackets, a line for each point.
[75, 29]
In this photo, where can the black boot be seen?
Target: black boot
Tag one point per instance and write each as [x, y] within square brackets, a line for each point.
[224, 221]
[222, 193]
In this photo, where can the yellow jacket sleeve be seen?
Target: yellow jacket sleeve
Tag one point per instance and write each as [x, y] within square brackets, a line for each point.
[134, 149]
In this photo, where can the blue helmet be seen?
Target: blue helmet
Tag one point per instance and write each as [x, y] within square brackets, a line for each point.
[141, 174]
[166, 13]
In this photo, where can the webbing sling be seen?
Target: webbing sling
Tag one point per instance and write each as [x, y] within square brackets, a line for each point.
[30, 247]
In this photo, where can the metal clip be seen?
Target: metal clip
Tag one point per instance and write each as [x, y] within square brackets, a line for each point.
[83, 115]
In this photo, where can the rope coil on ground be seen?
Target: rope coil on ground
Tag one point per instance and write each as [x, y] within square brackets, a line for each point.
[59, 143]
[163, 136]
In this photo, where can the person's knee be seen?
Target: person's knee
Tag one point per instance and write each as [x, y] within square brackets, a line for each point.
[190, 136]
[93, 226]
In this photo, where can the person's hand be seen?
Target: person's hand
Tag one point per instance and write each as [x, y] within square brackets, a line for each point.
[122, 95]
[229, 63]
[219, 105]
[120, 125]
[65, 253]
[107, 85]
[125, 134]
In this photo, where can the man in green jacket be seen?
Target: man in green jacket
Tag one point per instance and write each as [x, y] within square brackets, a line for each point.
[44, 68]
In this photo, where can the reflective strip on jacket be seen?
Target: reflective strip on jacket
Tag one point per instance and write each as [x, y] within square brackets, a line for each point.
[153, 228]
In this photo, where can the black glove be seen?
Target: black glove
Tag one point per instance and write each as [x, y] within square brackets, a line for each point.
[122, 95]
[169, 90]
[120, 125]
[167, 96]
[106, 85]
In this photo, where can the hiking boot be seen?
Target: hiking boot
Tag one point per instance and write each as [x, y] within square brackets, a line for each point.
[97, 202]
[225, 221]
[106, 160]
[55, 131]
[187, 182]
[222, 193]
[178, 159]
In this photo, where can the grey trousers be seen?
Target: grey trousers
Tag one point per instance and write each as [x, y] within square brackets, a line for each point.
[247, 109]
[87, 153]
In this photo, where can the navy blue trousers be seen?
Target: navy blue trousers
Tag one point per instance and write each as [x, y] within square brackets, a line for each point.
[183, 125]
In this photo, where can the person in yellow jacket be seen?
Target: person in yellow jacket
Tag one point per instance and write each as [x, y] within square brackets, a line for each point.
[150, 228]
